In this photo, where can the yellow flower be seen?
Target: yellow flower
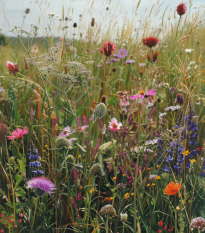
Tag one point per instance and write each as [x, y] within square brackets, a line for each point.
[132, 194]
[158, 178]
[148, 185]
[92, 190]
[83, 160]
[79, 156]
[114, 178]
[126, 195]
[81, 187]
[153, 184]
[124, 174]
[46, 146]
[111, 198]
[48, 154]
[193, 160]
[157, 166]
[177, 208]
[44, 151]
[185, 153]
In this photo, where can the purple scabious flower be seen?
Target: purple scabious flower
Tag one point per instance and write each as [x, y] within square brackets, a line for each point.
[129, 61]
[122, 53]
[172, 89]
[41, 185]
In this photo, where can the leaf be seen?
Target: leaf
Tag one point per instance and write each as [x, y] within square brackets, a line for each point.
[81, 147]
[111, 101]
[82, 55]
[128, 226]
[79, 111]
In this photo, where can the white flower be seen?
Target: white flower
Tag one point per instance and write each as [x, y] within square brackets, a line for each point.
[152, 177]
[151, 142]
[188, 50]
[52, 14]
[195, 67]
[123, 216]
[192, 62]
[188, 67]
[161, 115]
[172, 108]
[142, 64]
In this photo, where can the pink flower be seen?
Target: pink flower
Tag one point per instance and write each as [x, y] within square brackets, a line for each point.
[114, 126]
[108, 49]
[13, 68]
[18, 134]
[71, 140]
[82, 128]
[143, 95]
[66, 132]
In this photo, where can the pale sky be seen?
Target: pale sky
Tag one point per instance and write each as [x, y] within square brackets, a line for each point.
[12, 12]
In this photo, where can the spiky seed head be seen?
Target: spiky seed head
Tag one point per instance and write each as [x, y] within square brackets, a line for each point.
[61, 141]
[96, 170]
[108, 210]
[120, 187]
[100, 111]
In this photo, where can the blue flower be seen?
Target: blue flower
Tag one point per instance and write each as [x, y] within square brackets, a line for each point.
[169, 159]
[167, 169]
[194, 152]
[193, 143]
[188, 165]
[176, 127]
[181, 159]
[40, 172]
[177, 168]
[195, 135]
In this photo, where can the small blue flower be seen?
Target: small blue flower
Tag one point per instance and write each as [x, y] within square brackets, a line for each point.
[169, 159]
[194, 152]
[40, 172]
[177, 169]
[188, 165]
[167, 169]
[195, 135]
[181, 159]
[176, 127]
[193, 143]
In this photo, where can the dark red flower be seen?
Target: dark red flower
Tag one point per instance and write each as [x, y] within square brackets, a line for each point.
[150, 41]
[180, 99]
[13, 68]
[154, 58]
[181, 9]
[108, 48]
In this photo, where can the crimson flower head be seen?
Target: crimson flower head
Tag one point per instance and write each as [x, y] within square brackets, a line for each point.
[108, 49]
[154, 57]
[160, 223]
[18, 134]
[150, 41]
[13, 68]
[181, 9]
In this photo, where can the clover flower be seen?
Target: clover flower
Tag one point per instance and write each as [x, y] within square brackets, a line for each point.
[199, 223]
[181, 9]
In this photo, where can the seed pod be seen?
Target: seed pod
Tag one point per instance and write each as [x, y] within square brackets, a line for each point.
[45, 105]
[120, 187]
[108, 209]
[93, 22]
[60, 142]
[100, 111]
[3, 129]
[75, 25]
[53, 115]
[96, 170]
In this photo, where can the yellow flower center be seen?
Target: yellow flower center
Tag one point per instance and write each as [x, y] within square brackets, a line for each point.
[115, 126]
[197, 100]
[142, 92]
[122, 53]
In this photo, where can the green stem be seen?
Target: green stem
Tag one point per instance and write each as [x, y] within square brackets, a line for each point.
[34, 215]
[107, 227]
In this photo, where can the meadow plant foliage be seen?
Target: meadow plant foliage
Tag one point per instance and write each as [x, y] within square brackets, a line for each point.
[104, 134]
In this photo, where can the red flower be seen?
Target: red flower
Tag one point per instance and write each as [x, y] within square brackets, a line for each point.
[108, 48]
[154, 58]
[13, 68]
[198, 149]
[181, 9]
[150, 41]
[160, 223]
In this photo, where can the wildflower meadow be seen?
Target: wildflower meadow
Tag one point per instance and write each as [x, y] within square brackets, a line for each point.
[101, 125]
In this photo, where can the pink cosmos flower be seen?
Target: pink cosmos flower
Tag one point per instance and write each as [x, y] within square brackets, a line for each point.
[18, 134]
[66, 132]
[114, 126]
[143, 95]
[13, 68]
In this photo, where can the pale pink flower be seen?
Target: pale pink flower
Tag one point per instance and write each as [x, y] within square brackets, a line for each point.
[66, 132]
[143, 95]
[114, 126]
[18, 134]
[71, 140]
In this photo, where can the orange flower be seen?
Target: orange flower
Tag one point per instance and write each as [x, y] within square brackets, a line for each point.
[172, 188]
[107, 200]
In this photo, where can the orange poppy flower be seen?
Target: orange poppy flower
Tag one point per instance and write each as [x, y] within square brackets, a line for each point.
[172, 188]
[107, 200]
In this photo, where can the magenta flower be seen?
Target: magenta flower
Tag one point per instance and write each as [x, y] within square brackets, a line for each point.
[18, 134]
[114, 126]
[143, 95]
[41, 184]
[122, 53]
[13, 68]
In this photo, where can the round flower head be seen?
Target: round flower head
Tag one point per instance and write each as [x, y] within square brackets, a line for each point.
[154, 57]
[150, 41]
[108, 49]
[96, 170]
[41, 185]
[122, 53]
[114, 126]
[61, 141]
[13, 68]
[199, 223]
[181, 9]
[108, 209]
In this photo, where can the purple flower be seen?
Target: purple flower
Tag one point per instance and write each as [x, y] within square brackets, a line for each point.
[122, 53]
[114, 60]
[129, 61]
[99, 65]
[41, 184]
[172, 89]
[90, 78]
[92, 51]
